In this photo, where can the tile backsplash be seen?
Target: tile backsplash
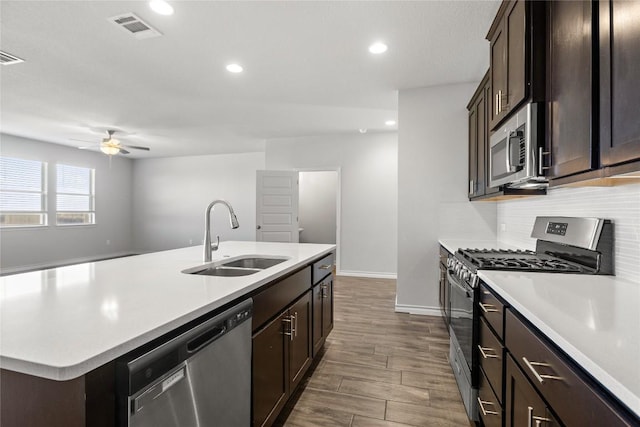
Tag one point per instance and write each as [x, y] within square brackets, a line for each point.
[621, 204]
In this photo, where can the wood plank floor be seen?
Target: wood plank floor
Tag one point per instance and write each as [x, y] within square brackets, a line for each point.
[379, 368]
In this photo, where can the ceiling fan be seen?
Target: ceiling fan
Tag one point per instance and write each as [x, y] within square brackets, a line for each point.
[112, 146]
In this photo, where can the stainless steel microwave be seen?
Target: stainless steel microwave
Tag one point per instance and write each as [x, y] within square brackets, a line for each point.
[514, 151]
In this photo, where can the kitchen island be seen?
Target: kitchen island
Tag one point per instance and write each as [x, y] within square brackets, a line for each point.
[64, 324]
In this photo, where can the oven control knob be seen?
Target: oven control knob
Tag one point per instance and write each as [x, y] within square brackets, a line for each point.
[466, 274]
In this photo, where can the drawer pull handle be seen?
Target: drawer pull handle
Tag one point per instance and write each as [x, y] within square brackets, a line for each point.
[540, 377]
[325, 267]
[537, 419]
[481, 403]
[483, 351]
[485, 308]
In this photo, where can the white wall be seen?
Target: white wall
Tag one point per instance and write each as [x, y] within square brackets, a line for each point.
[40, 247]
[620, 204]
[317, 212]
[432, 182]
[369, 186]
[172, 194]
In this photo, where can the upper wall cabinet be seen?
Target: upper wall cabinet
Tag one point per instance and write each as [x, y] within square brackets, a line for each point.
[619, 81]
[570, 89]
[516, 57]
[479, 141]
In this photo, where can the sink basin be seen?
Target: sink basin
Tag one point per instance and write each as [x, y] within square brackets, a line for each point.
[225, 271]
[254, 262]
[235, 267]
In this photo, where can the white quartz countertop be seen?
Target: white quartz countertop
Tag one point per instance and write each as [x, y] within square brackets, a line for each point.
[452, 245]
[63, 322]
[593, 319]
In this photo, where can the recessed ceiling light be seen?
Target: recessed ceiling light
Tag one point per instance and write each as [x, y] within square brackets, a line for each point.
[390, 123]
[161, 7]
[234, 68]
[378, 48]
[362, 130]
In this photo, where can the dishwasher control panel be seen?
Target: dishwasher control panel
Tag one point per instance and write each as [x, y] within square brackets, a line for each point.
[238, 318]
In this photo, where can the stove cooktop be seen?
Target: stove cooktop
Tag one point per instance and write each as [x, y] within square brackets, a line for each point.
[520, 260]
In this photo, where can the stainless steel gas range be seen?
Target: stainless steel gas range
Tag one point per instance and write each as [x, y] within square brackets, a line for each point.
[563, 245]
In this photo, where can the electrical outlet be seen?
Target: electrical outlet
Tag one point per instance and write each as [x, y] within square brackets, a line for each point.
[503, 226]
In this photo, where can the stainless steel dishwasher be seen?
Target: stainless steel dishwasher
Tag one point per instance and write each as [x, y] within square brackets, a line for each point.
[201, 378]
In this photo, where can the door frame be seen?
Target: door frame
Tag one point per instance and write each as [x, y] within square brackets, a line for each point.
[337, 169]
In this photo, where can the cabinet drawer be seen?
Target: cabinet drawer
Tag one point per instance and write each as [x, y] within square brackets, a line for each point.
[569, 392]
[493, 310]
[274, 299]
[322, 268]
[489, 407]
[491, 357]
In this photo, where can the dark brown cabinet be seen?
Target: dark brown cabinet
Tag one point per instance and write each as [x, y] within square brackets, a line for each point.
[570, 90]
[479, 141]
[291, 320]
[524, 407]
[270, 369]
[507, 55]
[281, 357]
[299, 335]
[514, 57]
[619, 31]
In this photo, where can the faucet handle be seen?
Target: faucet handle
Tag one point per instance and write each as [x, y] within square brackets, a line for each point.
[214, 246]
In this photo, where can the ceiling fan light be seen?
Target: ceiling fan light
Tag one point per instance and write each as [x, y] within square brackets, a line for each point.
[109, 149]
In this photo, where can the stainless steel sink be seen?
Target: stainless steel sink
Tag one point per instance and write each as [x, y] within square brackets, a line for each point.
[259, 263]
[234, 267]
[225, 271]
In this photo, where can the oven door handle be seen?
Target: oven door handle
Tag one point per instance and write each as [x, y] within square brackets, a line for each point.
[453, 281]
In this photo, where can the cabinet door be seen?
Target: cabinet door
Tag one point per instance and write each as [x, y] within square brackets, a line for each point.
[516, 51]
[619, 86]
[300, 339]
[327, 307]
[569, 93]
[498, 59]
[318, 338]
[483, 171]
[473, 150]
[524, 407]
[270, 375]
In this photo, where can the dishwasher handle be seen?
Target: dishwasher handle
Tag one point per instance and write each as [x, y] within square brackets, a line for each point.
[205, 338]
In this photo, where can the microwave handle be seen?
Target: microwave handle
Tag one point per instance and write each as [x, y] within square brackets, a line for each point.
[508, 151]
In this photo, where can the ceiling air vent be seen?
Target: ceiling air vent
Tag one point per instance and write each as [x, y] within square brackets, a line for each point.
[8, 59]
[134, 26]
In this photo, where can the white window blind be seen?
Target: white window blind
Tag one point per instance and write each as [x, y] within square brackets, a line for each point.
[75, 195]
[22, 192]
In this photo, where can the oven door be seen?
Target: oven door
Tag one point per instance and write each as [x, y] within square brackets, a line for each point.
[461, 315]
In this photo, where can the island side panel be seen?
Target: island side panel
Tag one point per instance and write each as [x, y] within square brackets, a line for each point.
[28, 401]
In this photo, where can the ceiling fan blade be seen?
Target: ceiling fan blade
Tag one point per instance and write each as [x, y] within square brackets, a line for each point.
[123, 151]
[136, 147]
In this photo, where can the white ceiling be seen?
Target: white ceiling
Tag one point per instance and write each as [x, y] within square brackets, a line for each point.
[307, 68]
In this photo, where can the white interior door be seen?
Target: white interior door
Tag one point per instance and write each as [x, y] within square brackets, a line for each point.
[277, 206]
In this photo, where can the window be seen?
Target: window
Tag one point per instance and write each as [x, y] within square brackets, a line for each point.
[22, 192]
[75, 195]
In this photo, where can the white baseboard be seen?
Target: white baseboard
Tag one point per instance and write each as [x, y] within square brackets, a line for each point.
[418, 309]
[44, 266]
[367, 274]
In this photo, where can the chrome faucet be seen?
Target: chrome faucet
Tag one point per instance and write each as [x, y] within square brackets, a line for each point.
[208, 246]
